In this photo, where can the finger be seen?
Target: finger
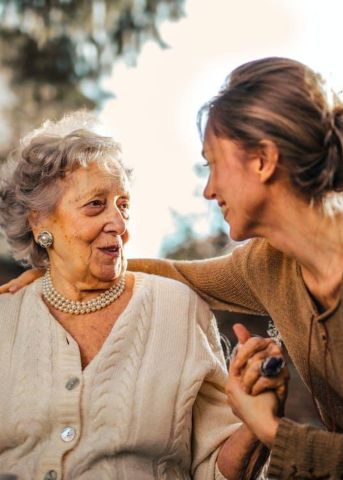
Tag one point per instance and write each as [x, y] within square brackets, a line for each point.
[251, 372]
[241, 332]
[250, 375]
[242, 365]
[271, 350]
[24, 279]
[279, 384]
[265, 384]
[10, 286]
[252, 346]
[282, 393]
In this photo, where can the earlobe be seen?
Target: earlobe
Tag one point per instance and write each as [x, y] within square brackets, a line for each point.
[269, 157]
[33, 219]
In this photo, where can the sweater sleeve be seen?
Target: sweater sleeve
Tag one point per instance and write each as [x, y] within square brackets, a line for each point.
[304, 451]
[225, 283]
[213, 420]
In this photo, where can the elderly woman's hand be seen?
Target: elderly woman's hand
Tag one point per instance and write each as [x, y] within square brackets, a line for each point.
[247, 362]
[256, 400]
[24, 279]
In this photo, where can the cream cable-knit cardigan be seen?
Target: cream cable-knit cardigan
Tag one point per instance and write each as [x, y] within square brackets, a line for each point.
[150, 405]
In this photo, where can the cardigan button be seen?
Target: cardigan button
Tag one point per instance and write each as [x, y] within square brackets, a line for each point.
[51, 475]
[72, 383]
[68, 434]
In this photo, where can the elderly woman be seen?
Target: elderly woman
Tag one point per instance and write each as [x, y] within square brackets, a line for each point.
[104, 374]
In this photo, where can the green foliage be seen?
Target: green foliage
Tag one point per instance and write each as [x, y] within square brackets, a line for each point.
[185, 243]
[54, 53]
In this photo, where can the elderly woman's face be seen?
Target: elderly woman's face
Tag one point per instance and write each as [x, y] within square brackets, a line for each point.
[89, 225]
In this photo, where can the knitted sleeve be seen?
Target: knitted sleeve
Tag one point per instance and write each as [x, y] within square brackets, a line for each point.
[213, 420]
[304, 451]
[229, 282]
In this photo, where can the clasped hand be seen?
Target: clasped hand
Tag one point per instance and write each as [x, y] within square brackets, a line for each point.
[258, 401]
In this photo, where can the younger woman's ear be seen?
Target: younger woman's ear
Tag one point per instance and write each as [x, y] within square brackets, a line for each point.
[268, 160]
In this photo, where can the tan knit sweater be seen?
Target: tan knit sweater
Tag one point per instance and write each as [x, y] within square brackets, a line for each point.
[150, 405]
[257, 278]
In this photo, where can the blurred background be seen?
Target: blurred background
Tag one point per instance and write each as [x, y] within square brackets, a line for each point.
[145, 67]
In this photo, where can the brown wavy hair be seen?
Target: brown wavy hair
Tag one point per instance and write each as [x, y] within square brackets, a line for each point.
[284, 101]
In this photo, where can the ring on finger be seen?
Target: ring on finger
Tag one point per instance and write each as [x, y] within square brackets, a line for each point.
[271, 366]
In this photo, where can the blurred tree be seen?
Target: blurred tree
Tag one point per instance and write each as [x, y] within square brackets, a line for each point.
[187, 241]
[55, 52]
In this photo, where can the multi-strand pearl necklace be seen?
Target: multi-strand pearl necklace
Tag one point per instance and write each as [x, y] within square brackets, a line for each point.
[57, 300]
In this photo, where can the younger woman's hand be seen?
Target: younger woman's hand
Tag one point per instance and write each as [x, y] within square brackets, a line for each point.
[24, 279]
[259, 413]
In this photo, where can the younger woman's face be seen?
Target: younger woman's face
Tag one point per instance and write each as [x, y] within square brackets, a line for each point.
[89, 226]
[234, 183]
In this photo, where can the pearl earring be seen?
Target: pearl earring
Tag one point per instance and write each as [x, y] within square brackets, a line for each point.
[45, 239]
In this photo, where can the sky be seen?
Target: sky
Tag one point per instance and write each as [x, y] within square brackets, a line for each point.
[154, 111]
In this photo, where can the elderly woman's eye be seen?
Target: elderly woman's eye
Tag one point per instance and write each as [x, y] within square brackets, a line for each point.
[95, 203]
[124, 208]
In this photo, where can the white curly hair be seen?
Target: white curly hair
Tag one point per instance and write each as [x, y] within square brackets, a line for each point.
[29, 179]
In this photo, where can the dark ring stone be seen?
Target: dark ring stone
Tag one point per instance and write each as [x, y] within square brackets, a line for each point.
[272, 366]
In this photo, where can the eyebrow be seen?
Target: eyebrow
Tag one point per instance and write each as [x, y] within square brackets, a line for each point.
[101, 191]
[95, 191]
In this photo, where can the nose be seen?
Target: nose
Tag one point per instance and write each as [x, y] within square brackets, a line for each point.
[208, 192]
[115, 223]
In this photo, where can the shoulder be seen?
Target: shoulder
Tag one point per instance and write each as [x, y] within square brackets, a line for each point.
[246, 256]
[10, 311]
[258, 257]
[176, 294]
[181, 296]
[168, 286]
[10, 301]
[257, 249]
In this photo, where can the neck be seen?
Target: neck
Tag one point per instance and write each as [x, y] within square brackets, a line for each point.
[66, 305]
[309, 235]
[78, 287]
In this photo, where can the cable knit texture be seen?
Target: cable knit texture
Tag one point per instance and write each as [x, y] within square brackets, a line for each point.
[150, 405]
[258, 279]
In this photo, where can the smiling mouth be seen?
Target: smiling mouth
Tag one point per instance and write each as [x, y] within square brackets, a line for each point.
[224, 208]
[112, 251]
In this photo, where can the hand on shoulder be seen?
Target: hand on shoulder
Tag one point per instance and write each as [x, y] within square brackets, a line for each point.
[24, 279]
